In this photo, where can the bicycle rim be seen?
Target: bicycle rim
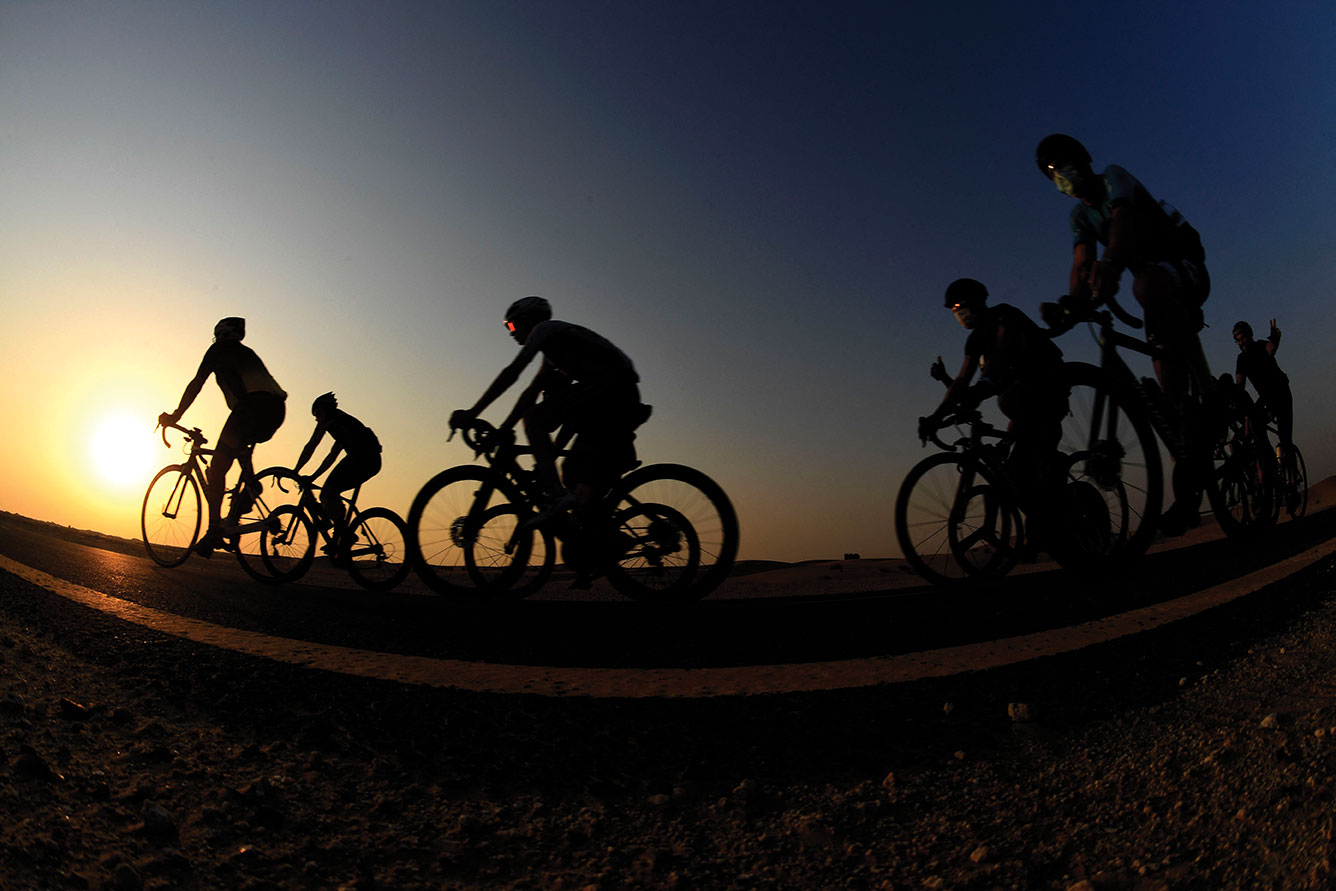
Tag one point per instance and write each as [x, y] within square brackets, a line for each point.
[444, 522]
[503, 562]
[378, 553]
[696, 503]
[170, 517]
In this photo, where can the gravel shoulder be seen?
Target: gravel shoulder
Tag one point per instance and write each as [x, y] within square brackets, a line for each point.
[1200, 755]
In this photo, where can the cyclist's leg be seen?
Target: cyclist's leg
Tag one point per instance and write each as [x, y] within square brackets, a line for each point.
[1168, 294]
[348, 474]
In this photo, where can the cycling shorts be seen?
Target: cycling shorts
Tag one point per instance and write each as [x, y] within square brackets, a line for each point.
[256, 418]
[352, 471]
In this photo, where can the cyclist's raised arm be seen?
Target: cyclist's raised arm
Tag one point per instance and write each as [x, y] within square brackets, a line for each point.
[1273, 339]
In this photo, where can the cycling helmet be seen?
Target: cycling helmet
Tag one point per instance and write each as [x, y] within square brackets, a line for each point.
[324, 403]
[965, 290]
[1242, 328]
[528, 310]
[1059, 150]
[231, 327]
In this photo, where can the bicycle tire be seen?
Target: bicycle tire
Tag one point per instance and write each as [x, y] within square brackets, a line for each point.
[170, 517]
[931, 515]
[286, 548]
[499, 574]
[702, 506]
[443, 521]
[1296, 501]
[1109, 424]
[378, 557]
[657, 553]
[1245, 506]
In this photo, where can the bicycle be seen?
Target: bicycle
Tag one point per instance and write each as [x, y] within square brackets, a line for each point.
[1211, 437]
[662, 532]
[1292, 479]
[170, 517]
[960, 516]
[372, 547]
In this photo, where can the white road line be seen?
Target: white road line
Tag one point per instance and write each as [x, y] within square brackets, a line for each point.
[638, 683]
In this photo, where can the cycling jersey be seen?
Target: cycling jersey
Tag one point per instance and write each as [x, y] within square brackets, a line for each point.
[576, 352]
[1257, 364]
[1010, 347]
[1161, 232]
[350, 433]
[238, 371]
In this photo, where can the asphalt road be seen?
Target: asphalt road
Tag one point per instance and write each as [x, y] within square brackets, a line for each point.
[744, 625]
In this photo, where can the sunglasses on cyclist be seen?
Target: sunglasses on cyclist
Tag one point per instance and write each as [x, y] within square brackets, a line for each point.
[510, 326]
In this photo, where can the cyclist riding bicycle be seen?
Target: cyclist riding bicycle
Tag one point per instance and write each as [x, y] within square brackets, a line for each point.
[1022, 366]
[257, 411]
[362, 462]
[1150, 239]
[1257, 363]
[588, 387]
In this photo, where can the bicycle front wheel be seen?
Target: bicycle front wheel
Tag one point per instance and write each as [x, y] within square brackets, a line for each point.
[505, 562]
[378, 555]
[444, 523]
[1296, 473]
[1243, 487]
[1119, 458]
[284, 550]
[954, 523]
[170, 517]
[676, 533]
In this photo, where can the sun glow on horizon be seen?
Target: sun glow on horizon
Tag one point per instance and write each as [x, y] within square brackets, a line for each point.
[121, 451]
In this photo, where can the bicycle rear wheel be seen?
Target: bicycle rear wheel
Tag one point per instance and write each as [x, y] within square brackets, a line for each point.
[1107, 426]
[170, 517]
[378, 555]
[953, 522]
[678, 533]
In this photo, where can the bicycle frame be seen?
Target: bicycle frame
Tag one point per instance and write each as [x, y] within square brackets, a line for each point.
[196, 463]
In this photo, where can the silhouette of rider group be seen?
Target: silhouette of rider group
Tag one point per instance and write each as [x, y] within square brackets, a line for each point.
[587, 388]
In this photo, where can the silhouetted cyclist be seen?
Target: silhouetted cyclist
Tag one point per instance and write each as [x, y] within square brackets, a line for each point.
[362, 461]
[1022, 366]
[1257, 363]
[1150, 239]
[257, 404]
[588, 387]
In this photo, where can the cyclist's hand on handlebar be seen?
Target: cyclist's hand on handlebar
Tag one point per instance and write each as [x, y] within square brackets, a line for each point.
[1065, 313]
[461, 417]
[928, 426]
[166, 419]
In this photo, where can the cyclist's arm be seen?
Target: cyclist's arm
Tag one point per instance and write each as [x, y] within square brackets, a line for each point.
[1083, 256]
[1273, 339]
[504, 380]
[959, 386]
[309, 449]
[192, 389]
[1109, 269]
[329, 460]
[527, 400]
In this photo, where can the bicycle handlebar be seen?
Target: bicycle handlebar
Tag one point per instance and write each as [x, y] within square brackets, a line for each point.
[482, 437]
[193, 433]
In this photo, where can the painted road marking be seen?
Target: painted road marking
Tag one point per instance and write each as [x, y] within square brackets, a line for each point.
[636, 683]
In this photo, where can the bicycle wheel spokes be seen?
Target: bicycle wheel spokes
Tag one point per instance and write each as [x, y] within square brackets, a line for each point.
[378, 554]
[697, 528]
[444, 522]
[953, 524]
[286, 545]
[1120, 458]
[505, 562]
[170, 516]
[660, 552]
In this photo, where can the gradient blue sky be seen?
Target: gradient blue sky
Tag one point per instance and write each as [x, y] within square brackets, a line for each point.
[760, 202]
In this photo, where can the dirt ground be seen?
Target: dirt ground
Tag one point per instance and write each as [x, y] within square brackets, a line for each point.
[1201, 755]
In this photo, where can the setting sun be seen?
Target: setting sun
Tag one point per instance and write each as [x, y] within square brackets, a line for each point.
[121, 450]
